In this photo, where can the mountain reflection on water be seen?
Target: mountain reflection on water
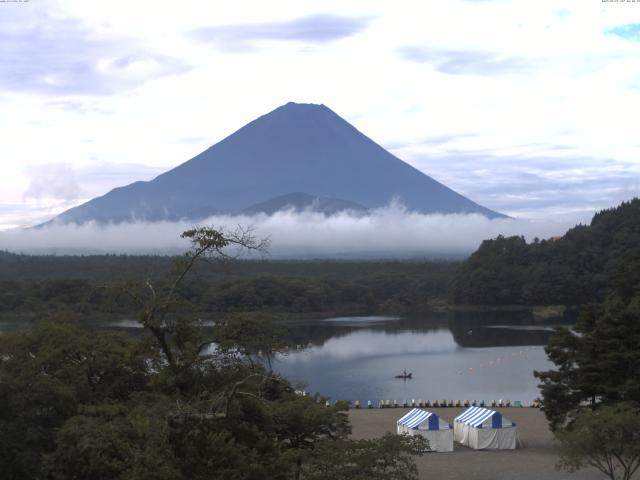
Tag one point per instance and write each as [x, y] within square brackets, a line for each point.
[456, 357]
[369, 343]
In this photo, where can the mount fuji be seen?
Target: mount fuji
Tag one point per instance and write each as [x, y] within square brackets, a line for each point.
[297, 156]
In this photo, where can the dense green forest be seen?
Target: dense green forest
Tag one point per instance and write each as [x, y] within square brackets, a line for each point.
[31, 285]
[572, 270]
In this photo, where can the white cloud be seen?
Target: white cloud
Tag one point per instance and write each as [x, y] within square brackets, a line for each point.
[310, 29]
[58, 55]
[387, 232]
[54, 181]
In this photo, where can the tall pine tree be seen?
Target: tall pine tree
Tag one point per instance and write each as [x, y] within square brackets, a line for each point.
[598, 361]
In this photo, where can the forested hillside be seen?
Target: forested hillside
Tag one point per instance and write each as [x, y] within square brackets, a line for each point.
[32, 285]
[572, 270]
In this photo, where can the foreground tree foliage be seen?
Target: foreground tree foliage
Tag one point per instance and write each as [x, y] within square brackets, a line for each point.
[388, 457]
[607, 439]
[175, 403]
[597, 363]
[592, 398]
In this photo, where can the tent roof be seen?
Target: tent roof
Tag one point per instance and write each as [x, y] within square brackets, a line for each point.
[415, 417]
[475, 416]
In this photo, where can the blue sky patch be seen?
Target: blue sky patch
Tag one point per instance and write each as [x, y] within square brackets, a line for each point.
[630, 31]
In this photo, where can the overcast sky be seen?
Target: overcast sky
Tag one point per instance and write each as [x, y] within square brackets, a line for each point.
[529, 107]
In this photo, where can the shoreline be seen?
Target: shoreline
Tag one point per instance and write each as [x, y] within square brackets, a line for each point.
[535, 461]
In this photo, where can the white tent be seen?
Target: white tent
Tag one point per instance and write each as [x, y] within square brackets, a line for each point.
[480, 428]
[420, 422]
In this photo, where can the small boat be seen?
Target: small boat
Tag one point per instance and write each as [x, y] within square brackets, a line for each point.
[404, 375]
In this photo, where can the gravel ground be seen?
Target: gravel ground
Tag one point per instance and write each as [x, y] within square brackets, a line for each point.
[535, 461]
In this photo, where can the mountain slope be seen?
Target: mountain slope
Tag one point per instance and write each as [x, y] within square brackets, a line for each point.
[295, 148]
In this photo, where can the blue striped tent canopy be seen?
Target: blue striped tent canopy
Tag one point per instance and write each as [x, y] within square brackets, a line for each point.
[476, 416]
[417, 417]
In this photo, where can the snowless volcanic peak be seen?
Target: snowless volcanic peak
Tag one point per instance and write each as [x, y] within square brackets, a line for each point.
[297, 148]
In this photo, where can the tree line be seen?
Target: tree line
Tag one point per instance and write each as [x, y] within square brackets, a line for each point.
[240, 286]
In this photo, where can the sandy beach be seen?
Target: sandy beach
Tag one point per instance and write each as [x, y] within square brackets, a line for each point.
[535, 461]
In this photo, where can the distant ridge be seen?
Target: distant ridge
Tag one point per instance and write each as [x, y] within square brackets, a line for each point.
[295, 148]
[299, 201]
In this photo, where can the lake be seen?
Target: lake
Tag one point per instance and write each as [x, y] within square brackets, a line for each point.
[462, 356]
[457, 357]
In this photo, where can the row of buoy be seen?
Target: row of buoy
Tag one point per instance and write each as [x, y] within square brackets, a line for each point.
[445, 404]
[435, 403]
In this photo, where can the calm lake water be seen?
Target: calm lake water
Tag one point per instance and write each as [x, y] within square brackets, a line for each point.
[463, 356]
[451, 357]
